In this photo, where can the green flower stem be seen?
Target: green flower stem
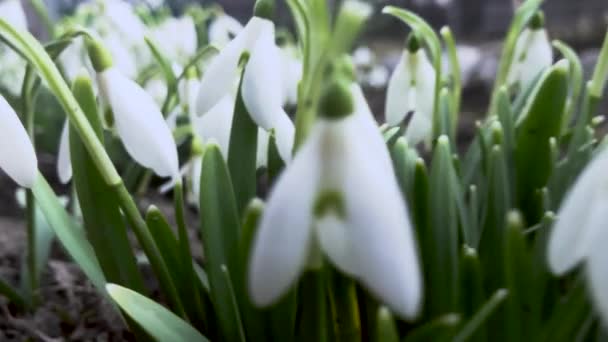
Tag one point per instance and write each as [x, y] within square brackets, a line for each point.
[313, 324]
[344, 308]
[600, 74]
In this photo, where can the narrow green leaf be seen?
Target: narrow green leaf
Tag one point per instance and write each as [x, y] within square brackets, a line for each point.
[441, 328]
[313, 316]
[541, 120]
[443, 267]
[475, 323]
[455, 75]
[473, 294]
[156, 320]
[576, 84]
[71, 236]
[12, 294]
[386, 329]
[242, 153]
[103, 220]
[275, 162]
[220, 229]
[568, 315]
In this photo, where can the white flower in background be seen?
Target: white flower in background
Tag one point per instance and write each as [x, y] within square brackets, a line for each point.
[292, 74]
[377, 77]
[223, 29]
[17, 155]
[363, 57]
[122, 56]
[533, 54]
[124, 20]
[263, 85]
[339, 196]
[139, 122]
[580, 233]
[176, 37]
[64, 160]
[157, 88]
[411, 88]
[12, 12]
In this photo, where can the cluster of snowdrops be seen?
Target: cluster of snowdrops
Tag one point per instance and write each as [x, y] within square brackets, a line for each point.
[316, 222]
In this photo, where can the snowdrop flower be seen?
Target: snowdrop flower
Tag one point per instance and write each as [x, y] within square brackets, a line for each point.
[177, 36]
[262, 86]
[123, 58]
[124, 20]
[64, 160]
[339, 196]
[533, 53]
[222, 29]
[292, 74]
[138, 120]
[411, 88]
[17, 155]
[157, 88]
[12, 12]
[580, 233]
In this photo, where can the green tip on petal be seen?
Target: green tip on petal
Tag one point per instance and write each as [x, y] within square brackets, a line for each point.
[329, 201]
[413, 43]
[192, 73]
[100, 56]
[264, 9]
[337, 101]
[538, 21]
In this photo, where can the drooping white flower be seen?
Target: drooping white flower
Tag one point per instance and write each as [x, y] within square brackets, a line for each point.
[17, 155]
[123, 58]
[177, 37]
[339, 195]
[533, 54]
[64, 160]
[411, 88]
[262, 86]
[580, 232]
[12, 12]
[124, 20]
[292, 74]
[139, 123]
[222, 29]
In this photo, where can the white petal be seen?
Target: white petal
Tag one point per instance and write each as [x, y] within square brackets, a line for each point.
[282, 244]
[217, 123]
[17, 155]
[64, 161]
[139, 123]
[222, 29]
[124, 20]
[262, 153]
[177, 36]
[195, 177]
[598, 276]
[157, 88]
[420, 128]
[378, 221]
[292, 74]
[335, 241]
[122, 57]
[285, 134]
[580, 216]
[539, 56]
[399, 85]
[519, 54]
[12, 12]
[262, 81]
[220, 76]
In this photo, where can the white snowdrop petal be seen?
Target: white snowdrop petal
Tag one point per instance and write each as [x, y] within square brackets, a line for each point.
[124, 20]
[139, 123]
[217, 123]
[222, 29]
[17, 155]
[12, 12]
[380, 228]
[419, 128]
[597, 276]
[262, 148]
[282, 244]
[397, 100]
[292, 74]
[285, 134]
[335, 240]
[122, 57]
[64, 160]
[262, 87]
[539, 56]
[519, 54]
[574, 226]
[426, 80]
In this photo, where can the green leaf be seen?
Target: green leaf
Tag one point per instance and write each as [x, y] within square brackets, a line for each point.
[443, 266]
[275, 162]
[386, 329]
[12, 294]
[540, 121]
[242, 153]
[404, 161]
[103, 220]
[441, 328]
[472, 289]
[71, 236]
[568, 315]
[475, 323]
[576, 84]
[455, 75]
[156, 320]
[220, 229]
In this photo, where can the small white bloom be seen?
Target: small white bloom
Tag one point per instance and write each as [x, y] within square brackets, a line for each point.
[157, 88]
[533, 54]
[412, 89]
[363, 57]
[121, 55]
[124, 20]
[64, 160]
[366, 233]
[17, 155]
[262, 85]
[223, 29]
[292, 74]
[377, 77]
[139, 123]
[580, 234]
[177, 37]
[12, 12]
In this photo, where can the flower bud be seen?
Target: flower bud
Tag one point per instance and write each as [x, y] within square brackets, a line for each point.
[336, 101]
[100, 56]
[264, 9]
